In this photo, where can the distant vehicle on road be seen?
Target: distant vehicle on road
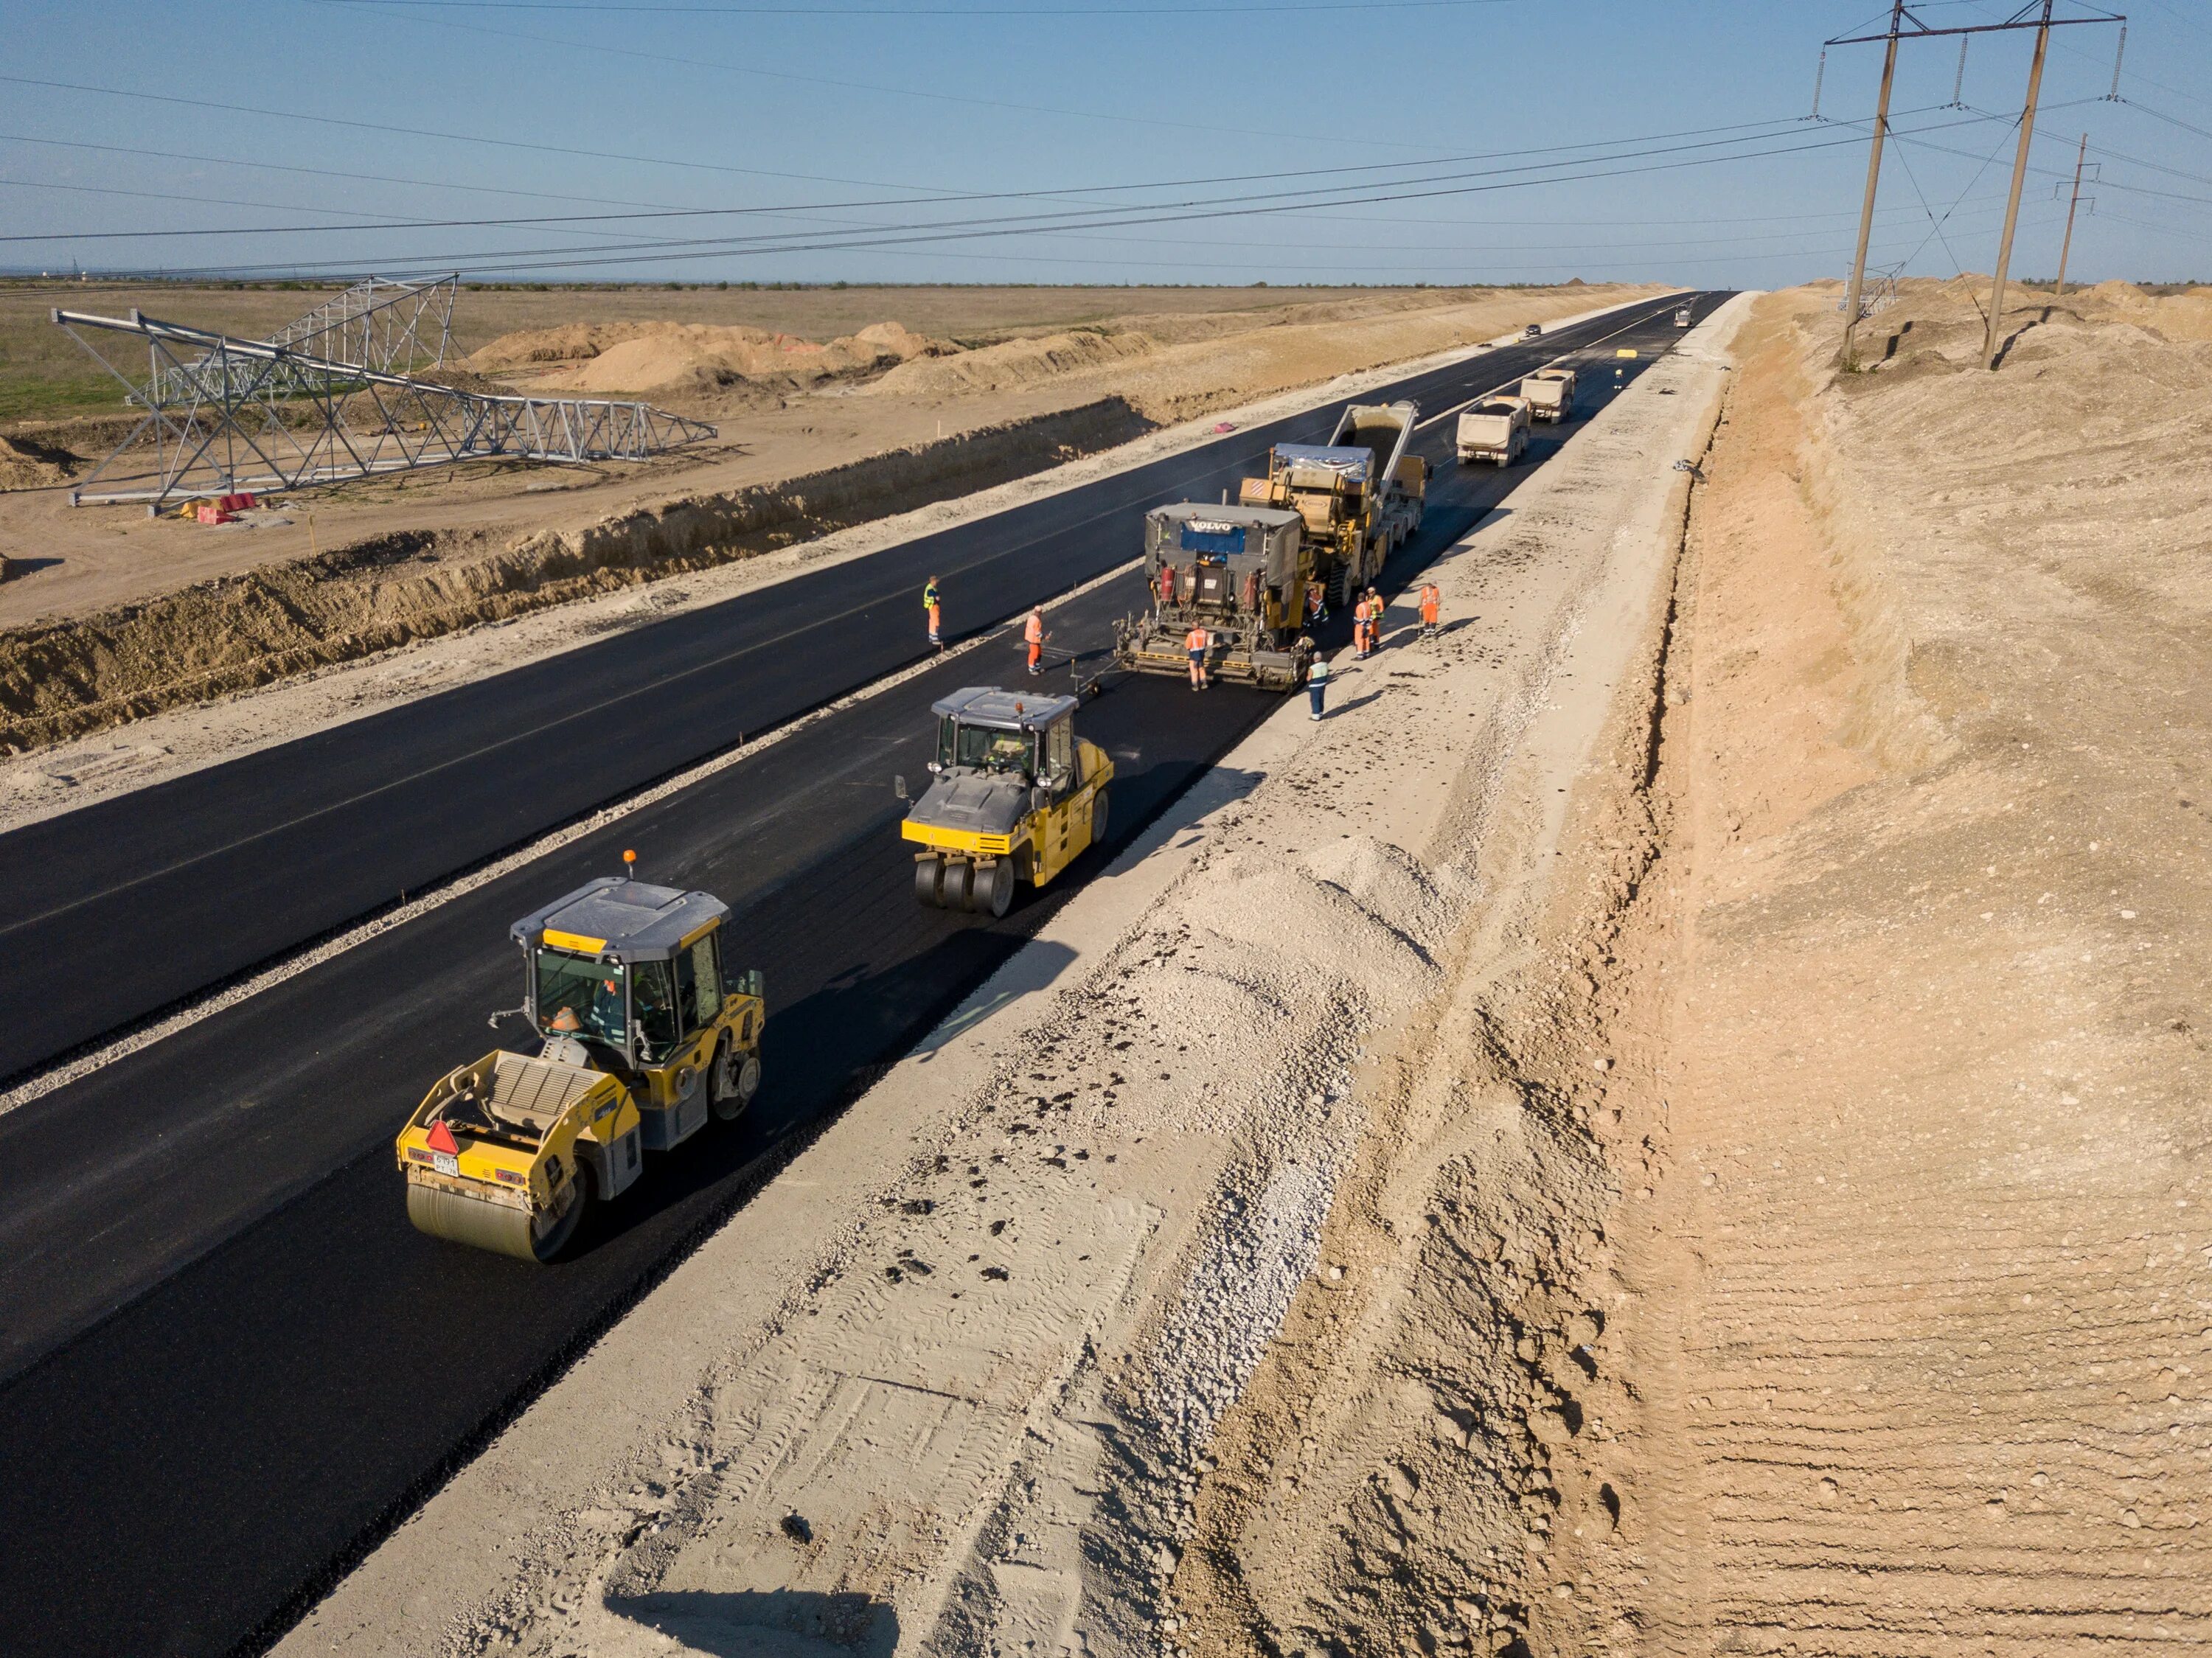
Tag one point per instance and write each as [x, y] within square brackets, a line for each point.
[1495, 430]
[1533, 330]
[1682, 316]
[1549, 394]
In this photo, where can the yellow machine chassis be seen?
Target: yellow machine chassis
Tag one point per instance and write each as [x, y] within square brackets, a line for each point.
[515, 1201]
[1054, 837]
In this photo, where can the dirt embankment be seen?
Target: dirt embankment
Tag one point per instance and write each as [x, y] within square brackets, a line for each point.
[61, 679]
[1921, 1314]
[1842, 1286]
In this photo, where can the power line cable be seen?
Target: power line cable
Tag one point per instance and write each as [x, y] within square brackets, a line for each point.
[895, 236]
[533, 220]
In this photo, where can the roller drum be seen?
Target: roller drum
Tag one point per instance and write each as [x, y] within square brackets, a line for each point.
[481, 1224]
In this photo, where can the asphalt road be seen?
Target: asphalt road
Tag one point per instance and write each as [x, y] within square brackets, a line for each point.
[149, 897]
[232, 1364]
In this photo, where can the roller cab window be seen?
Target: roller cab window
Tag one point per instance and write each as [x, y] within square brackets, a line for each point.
[984, 749]
[579, 996]
[699, 985]
[1060, 756]
[652, 993]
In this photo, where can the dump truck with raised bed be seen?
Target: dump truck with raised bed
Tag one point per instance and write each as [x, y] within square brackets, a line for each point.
[1014, 795]
[1494, 430]
[1549, 394]
[646, 1033]
[1360, 494]
[1240, 574]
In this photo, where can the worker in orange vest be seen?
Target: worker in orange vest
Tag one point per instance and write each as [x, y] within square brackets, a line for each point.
[1363, 631]
[1374, 622]
[1432, 601]
[930, 603]
[1033, 632]
[1196, 641]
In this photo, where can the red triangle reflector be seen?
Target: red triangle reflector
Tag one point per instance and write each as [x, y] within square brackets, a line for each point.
[442, 1139]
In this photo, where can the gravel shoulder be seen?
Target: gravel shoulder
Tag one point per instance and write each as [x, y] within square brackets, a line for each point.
[957, 1377]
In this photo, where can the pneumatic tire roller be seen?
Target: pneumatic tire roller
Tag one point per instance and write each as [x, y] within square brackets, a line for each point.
[1014, 796]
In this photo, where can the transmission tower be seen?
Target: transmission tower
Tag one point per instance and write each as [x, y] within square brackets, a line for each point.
[226, 416]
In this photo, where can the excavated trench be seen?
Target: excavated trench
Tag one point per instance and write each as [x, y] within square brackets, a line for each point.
[61, 679]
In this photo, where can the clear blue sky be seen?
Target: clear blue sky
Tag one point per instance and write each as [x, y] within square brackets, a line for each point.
[850, 114]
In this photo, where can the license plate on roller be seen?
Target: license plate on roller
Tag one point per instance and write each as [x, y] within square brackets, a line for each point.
[445, 1162]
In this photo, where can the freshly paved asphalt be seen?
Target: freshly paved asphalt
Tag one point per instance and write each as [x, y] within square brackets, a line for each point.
[232, 1364]
[150, 896]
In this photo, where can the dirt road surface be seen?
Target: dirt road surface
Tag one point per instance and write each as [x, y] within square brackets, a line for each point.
[956, 1380]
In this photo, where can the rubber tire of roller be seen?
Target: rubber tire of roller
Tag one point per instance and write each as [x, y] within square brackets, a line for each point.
[959, 882]
[1100, 815]
[722, 1097]
[997, 894]
[929, 881]
[460, 1218]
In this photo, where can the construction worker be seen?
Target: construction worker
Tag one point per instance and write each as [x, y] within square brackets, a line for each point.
[932, 602]
[1318, 684]
[1196, 641]
[1431, 602]
[1360, 629]
[1374, 622]
[1317, 602]
[1033, 631]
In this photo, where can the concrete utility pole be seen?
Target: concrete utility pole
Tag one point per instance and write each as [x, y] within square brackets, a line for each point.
[2019, 178]
[1874, 178]
[2067, 246]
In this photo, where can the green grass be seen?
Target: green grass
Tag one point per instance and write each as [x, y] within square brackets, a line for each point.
[24, 396]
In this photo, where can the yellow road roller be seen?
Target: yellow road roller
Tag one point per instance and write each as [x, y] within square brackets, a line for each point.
[646, 1032]
[1014, 795]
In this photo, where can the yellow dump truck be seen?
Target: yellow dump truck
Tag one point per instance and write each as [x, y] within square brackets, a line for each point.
[1360, 495]
[1240, 574]
[1494, 430]
[646, 1032]
[1014, 795]
[1549, 394]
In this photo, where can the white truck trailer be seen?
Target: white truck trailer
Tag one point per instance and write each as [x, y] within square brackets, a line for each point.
[1549, 394]
[1494, 430]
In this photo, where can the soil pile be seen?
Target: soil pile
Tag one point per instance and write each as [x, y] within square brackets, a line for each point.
[1013, 365]
[59, 679]
[663, 357]
[27, 464]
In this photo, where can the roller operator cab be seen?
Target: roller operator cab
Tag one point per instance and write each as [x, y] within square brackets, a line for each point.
[1015, 795]
[645, 1031]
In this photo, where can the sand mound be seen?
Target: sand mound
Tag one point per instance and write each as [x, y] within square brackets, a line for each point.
[1015, 364]
[661, 356]
[26, 464]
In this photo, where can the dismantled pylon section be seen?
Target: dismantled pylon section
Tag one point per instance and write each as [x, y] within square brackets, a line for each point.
[333, 397]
